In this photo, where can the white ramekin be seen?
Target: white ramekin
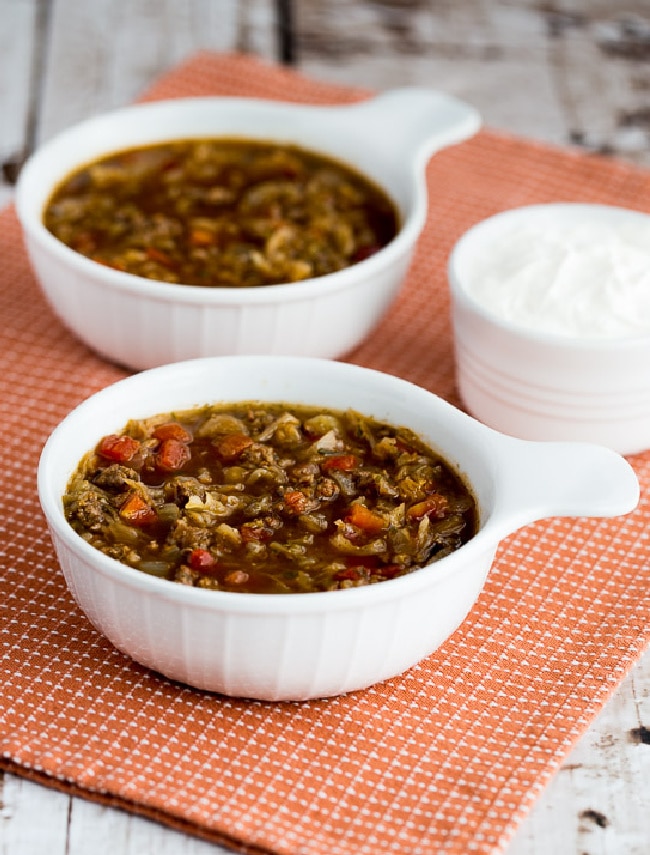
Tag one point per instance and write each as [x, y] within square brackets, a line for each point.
[546, 386]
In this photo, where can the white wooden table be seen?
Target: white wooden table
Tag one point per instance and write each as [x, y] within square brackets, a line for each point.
[577, 73]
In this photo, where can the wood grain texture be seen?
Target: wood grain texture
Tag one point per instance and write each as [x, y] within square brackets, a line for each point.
[569, 72]
[17, 32]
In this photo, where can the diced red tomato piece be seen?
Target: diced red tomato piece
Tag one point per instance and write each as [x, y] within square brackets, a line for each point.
[435, 505]
[230, 447]
[351, 574]
[136, 511]
[295, 501]
[253, 532]
[201, 559]
[172, 430]
[389, 571]
[342, 462]
[365, 519]
[118, 447]
[172, 455]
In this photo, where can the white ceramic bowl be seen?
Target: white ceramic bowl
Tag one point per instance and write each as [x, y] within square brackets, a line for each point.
[548, 384]
[299, 646]
[140, 323]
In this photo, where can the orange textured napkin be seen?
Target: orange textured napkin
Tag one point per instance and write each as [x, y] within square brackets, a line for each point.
[446, 758]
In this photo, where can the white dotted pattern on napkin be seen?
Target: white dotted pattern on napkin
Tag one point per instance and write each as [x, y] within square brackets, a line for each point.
[445, 758]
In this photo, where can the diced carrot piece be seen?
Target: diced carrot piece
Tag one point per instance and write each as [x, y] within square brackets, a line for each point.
[136, 511]
[365, 519]
[342, 462]
[201, 237]
[237, 577]
[435, 505]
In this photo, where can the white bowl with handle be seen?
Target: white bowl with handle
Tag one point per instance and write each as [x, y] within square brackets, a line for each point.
[142, 323]
[300, 646]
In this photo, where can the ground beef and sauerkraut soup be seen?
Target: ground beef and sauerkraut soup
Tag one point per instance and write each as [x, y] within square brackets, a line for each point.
[269, 498]
[221, 213]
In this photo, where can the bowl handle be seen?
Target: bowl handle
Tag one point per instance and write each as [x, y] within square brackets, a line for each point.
[544, 479]
[416, 121]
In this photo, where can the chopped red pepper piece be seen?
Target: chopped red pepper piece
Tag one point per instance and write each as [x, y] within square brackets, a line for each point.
[352, 574]
[172, 455]
[136, 511]
[172, 430]
[201, 559]
[342, 462]
[295, 501]
[230, 447]
[118, 447]
[253, 532]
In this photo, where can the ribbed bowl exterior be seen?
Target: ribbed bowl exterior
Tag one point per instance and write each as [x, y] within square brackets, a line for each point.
[268, 653]
[540, 389]
[142, 331]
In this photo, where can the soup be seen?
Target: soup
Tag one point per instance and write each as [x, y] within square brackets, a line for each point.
[224, 213]
[269, 498]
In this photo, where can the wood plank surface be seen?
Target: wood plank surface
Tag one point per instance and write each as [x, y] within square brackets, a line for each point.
[17, 29]
[569, 72]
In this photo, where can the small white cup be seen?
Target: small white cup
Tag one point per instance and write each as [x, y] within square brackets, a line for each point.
[540, 385]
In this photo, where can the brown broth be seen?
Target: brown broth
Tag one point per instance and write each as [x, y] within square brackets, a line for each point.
[269, 498]
[222, 213]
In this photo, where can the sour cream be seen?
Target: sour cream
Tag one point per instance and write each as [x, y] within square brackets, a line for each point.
[580, 271]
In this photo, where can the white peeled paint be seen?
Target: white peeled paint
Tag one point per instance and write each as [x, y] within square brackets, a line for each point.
[589, 279]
